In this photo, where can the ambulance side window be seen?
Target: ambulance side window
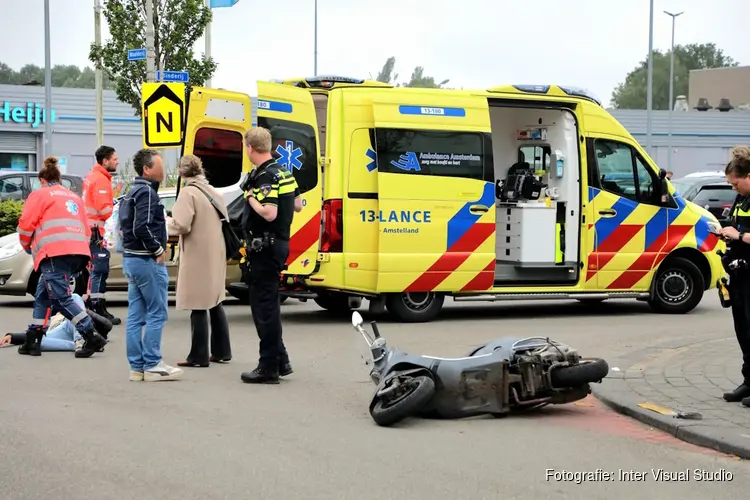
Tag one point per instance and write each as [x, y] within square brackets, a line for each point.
[221, 153]
[616, 167]
[294, 147]
[466, 155]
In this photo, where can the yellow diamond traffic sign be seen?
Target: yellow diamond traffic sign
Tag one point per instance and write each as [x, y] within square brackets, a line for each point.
[163, 106]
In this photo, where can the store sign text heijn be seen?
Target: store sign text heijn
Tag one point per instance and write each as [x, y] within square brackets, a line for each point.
[32, 114]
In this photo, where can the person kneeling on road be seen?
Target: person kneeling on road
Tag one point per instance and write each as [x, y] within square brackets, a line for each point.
[62, 334]
[54, 230]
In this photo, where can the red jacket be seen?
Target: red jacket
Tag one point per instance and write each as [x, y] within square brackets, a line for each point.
[54, 223]
[97, 195]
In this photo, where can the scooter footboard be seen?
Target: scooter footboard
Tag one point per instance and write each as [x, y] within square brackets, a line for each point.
[471, 386]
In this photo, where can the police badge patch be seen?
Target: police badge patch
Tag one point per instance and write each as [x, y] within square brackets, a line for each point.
[265, 189]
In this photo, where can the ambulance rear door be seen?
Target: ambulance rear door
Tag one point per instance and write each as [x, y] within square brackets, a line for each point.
[215, 124]
[436, 192]
[289, 113]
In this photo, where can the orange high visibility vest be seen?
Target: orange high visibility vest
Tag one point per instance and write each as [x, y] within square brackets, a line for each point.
[54, 223]
[97, 196]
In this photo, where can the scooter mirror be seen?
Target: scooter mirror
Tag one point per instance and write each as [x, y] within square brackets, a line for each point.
[356, 319]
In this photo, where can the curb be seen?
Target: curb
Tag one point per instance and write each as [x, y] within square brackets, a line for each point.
[615, 393]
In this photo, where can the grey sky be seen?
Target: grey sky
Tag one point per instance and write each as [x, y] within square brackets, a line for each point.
[474, 43]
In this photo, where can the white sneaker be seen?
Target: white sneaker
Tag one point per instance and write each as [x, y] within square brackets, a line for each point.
[136, 376]
[160, 372]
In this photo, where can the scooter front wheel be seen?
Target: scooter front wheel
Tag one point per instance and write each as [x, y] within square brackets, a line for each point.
[406, 400]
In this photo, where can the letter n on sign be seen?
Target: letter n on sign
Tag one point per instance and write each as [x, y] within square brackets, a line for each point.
[163, 109]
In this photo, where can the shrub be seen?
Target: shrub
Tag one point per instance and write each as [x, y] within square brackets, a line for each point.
[10, 212]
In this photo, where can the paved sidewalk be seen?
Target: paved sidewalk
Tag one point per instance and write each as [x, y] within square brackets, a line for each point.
[676, 381]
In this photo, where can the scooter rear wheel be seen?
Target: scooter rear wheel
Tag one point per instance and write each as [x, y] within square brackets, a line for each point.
[388, 411]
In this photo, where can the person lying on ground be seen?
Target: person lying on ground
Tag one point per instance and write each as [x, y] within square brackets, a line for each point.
[62, 334]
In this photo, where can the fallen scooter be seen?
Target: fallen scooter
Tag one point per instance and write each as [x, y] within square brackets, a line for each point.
[505, 375]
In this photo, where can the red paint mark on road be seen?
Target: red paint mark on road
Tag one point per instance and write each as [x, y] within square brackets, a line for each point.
[592, 415]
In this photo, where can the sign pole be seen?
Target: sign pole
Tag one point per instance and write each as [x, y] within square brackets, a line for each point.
[47, 85]
[150, 51]
[98, 75]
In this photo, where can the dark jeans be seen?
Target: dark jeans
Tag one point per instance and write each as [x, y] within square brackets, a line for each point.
[53, 293]
[265, 273]
[220, 345]
[740, 294]
[99, 271]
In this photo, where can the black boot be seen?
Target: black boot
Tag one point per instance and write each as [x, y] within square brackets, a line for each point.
[101, 324]
[93, 342]
[261, 376]
[285, 368]
[740, 393]
[104, 312]
[32, 346]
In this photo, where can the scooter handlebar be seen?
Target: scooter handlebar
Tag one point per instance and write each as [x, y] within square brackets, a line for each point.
[375, 330]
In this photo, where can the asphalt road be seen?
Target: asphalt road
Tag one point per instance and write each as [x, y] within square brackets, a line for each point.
[77, 428]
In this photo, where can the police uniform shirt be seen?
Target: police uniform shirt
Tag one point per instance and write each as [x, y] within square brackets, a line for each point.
[275, 185]
[740, 219]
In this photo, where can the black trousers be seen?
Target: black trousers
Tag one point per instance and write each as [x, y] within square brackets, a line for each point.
[740, 295]
[220, 345]
[265, 273]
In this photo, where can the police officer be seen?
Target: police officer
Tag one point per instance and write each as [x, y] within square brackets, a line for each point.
[737, 263]
[273, 197]
[53, 229]
[97, 195]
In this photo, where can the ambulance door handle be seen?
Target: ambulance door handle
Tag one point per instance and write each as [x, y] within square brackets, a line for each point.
[608, 213]
[478, 209]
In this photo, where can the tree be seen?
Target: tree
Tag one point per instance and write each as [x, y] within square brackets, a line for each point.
[62, 76]
[632, 93]
[418, 79]
[178, 24]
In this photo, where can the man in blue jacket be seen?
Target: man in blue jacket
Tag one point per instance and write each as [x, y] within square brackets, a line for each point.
[144, 241]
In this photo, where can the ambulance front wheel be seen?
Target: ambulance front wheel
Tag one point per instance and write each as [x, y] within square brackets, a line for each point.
[678, 287]
[414, 307]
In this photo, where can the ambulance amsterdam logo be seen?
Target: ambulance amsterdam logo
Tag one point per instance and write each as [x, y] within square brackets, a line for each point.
[407, 162]
[305, 262]
[72, 207]
[289, 156]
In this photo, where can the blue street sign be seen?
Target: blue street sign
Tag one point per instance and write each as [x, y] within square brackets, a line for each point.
[172, 76]
[218, 4]
[136, 54]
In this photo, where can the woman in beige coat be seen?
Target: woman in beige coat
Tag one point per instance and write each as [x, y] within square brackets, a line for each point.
[202, 272]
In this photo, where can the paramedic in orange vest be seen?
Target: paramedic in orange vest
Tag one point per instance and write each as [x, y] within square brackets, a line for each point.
[54, 229]
[97, 195]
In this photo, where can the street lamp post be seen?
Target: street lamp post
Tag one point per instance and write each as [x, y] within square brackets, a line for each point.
[316, 39]
[47, 84]
[671, 88]
[650, 77]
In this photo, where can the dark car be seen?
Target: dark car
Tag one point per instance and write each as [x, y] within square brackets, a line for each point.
[713, 193]
[15, 185]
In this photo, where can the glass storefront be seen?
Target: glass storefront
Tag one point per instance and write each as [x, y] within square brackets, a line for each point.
[17, 161]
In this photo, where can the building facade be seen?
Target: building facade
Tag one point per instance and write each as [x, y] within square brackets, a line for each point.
[700, 140]
[713, 85]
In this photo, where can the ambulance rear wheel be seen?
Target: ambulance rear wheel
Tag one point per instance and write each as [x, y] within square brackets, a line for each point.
[414, 307]
[678, 287]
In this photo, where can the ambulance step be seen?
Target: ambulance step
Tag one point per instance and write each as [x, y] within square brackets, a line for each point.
[549, 296]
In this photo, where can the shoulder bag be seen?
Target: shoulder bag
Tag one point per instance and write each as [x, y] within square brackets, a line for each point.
[231, 241]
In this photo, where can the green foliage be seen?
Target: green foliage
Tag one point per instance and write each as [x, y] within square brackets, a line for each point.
[418, 79]
[10, 212]
[62, 76]
[178, 24]
[632, 93]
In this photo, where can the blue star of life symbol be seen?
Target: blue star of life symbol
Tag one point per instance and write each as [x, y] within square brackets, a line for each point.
[72, 207]
[407, 162]
[372, 164]
[289, 156]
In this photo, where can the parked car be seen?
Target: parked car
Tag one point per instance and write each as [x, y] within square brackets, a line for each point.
[711, 192]
[15, 185]
[17, 275]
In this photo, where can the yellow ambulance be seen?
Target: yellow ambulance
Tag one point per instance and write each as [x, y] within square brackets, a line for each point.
[513, 193]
